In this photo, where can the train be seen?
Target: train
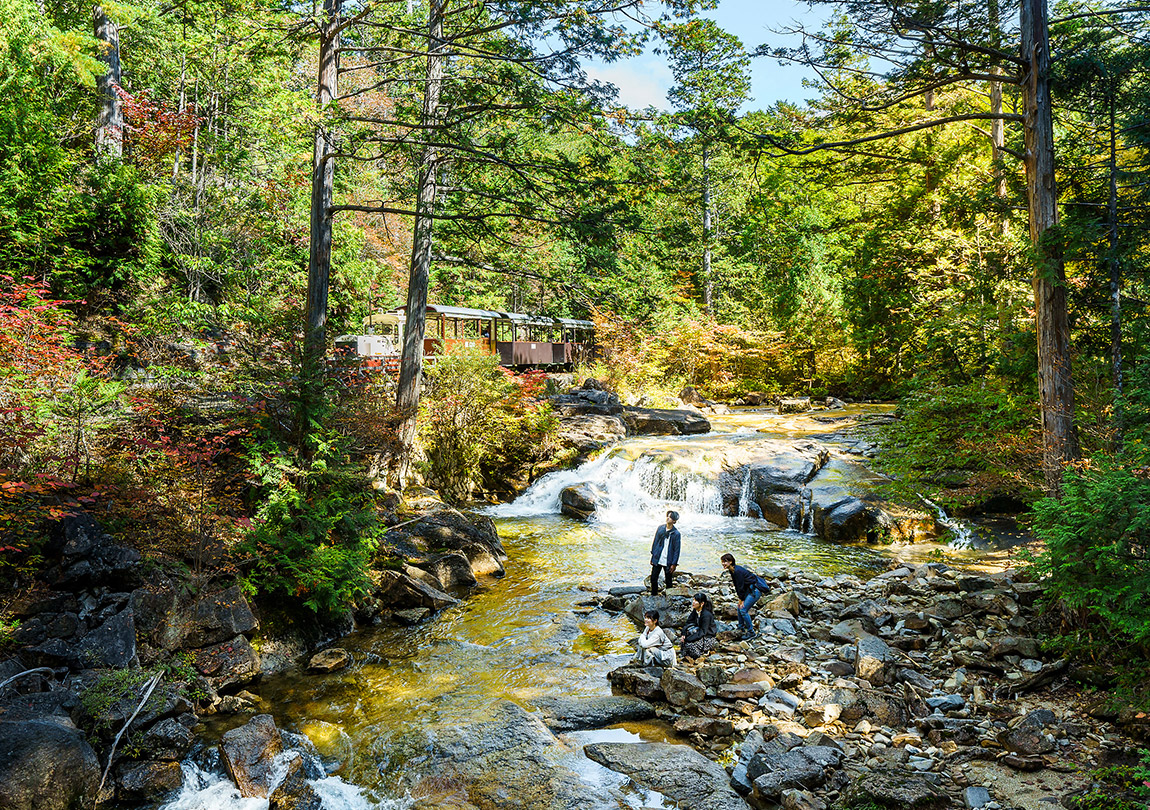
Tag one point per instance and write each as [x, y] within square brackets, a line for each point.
[520, 341]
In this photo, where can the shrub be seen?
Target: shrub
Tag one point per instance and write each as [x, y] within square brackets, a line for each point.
[479, 420]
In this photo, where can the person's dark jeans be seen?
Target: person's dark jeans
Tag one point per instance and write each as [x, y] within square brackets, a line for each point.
[655, 577]
[745, 611]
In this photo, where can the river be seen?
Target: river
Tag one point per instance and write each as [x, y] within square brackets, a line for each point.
[525, 635]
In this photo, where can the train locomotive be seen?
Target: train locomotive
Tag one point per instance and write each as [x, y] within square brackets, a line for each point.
[520, 341]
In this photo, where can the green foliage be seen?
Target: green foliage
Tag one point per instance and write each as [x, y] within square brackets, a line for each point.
[961, 443]
[478, 419]
[316, 527]
[108, 689]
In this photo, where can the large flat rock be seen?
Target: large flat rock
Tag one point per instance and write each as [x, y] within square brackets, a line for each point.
[575, 714]
[679, 772]
[659, 422]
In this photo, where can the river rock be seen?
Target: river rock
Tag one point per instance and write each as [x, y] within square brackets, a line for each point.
[169, 739]
[411, 616]
[584, 401]
[590, 433]
[484, 561]
[794, 404]
[444, 528]
[46, 766]
[505, 759]
[673, 610]
[294, 792]
[705, 726]
[453, 570]
[401, 591]
[574, 714]
[170, 619]
[655, 421]
[232, 663]
[579, 501]
[330, 660]
[148, 781]
[642, 682]
[681, 688]
[247, 754]
[871, 655]
[1016, 645]
[897, 789]
[677, 771]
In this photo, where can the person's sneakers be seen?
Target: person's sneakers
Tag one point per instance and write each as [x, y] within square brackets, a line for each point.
[750, 634]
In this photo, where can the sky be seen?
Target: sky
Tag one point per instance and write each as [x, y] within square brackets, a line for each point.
[644, 80]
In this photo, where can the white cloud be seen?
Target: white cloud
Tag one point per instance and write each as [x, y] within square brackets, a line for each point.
[642, 81]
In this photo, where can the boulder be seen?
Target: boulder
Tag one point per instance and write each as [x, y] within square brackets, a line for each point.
[574, 714]
[871, 656]
[232, 663]
[590, 433]
[794, 404]
[169, 739]
[148, 781]
[411, 616]
[444, 528]
[642, 682]
[484, 562]
[673, 610]
[453, 570]
[112, 645]
[679, 772]
[247, 754]
[329, 660]
[170, 619]
[579, 501]
[897, 790]
[584, 401]
[46, 766]
[294, 792]
[681, 688]
[400, 591]
[774, 769]
[654, 421]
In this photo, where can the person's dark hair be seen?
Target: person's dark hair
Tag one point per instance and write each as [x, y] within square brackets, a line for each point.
[653, 615]
[728, 558]
[704, 600]
[673, 515]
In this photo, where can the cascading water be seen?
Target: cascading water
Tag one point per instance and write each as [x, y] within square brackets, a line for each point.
[745, 494]
[964, 536]
[630, 489]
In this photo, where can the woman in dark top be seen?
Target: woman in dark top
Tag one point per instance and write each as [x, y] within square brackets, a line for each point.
[699, 633]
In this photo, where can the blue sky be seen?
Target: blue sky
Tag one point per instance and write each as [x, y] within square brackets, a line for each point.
[644, 80]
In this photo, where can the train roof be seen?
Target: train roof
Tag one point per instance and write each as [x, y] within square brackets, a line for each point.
[394, 316]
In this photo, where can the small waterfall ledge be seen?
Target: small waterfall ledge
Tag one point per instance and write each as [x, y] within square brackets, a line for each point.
[793, 484]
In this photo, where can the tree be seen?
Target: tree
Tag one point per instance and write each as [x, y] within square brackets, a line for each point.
[110, 119]
[927, 48]
[712, 81]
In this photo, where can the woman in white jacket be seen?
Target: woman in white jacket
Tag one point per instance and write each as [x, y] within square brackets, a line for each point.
[655, 649]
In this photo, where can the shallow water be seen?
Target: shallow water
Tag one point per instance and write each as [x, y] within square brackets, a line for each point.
[520, 637]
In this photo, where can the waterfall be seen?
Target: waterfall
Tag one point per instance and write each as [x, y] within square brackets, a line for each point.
[212, 790]
[964, 536]
[631, 488]
[806, 523]
[745, 493]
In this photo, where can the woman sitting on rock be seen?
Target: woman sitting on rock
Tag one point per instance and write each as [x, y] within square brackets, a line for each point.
[655, 649]
[699, 634]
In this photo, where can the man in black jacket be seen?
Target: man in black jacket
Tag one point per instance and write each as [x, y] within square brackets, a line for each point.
[749, 588]
[665, 552]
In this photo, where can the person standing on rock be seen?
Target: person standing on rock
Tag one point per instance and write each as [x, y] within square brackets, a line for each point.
[749, 588]
[699, 633]
[654, 649]
[665, 552]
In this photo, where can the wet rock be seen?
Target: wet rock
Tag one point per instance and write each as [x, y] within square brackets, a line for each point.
[232, 663]
[411, 617]
[705, 726]
[402, 592]
[579, 501]
[148, 781]
[677, 771]
[794, 404]
[655, 421]
[453, 570]
[239, 703]
[247, 754]
[484, 561]
[574, 714]
[682, 688]
[330, 660]
[897, 790]
[46, 766]
[169, 739]
[293, 792]
[112, 645]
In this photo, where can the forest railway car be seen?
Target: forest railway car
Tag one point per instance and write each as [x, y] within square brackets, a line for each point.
[520, 341]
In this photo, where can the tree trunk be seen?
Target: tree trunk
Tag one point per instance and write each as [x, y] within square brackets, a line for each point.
[110, 118]
[1115, 277]
[415, 326]
[1055, 383]
[708, 280]
[319, 257]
